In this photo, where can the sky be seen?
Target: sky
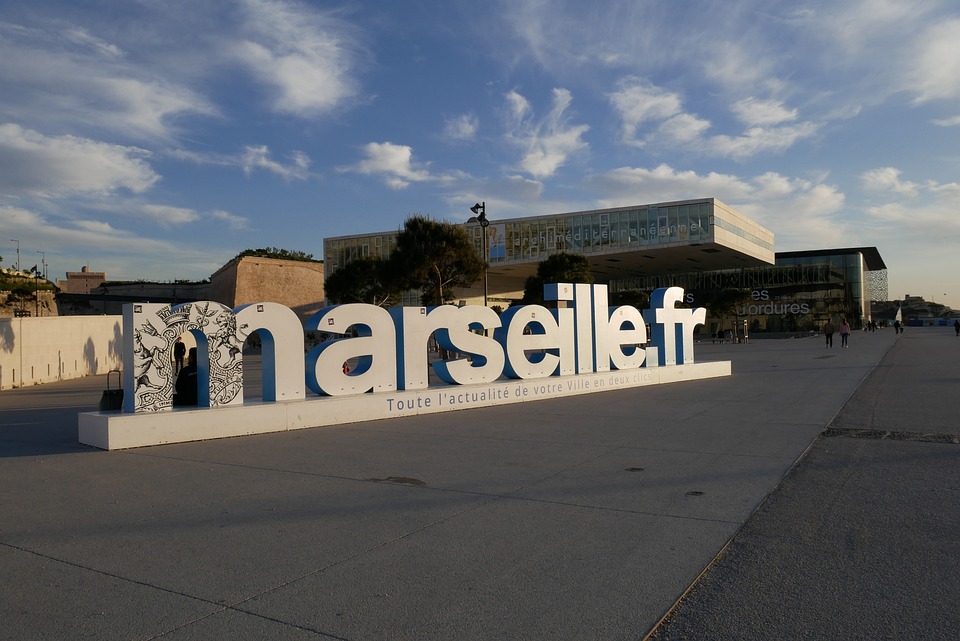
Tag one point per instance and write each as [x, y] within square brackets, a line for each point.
[157, 139]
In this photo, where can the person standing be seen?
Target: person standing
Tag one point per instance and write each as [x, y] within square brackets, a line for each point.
[185, 390]
[828, 332]
[956, 326]
[179, 351]
[844, 332]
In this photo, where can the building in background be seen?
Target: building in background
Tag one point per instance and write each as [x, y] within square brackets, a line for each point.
[701, 245]
[81, 282]
[795, 296]
[622, 242]
[298, 284]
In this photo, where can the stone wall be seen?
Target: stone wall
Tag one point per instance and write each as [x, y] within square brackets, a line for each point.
[47, 304]
[253, 279]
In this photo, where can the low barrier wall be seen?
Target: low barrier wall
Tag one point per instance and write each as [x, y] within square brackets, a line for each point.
[43, 350]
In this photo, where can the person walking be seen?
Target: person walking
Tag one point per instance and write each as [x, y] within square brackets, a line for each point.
[828, 332]
[956, 327]
[844, 332]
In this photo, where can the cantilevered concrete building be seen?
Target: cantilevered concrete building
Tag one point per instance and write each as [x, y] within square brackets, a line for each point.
[620, 243]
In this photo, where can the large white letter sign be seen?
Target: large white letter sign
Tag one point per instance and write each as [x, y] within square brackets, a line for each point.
[451, 327]
[148, 365]
[543, 342]
[373, 347]
[583, 311]
[564, 317]
[281, 338]
[219, 351]
[460, 336]
[673, 327]
[602, 340]
[149, 332]
[582, 340]
[628, 333]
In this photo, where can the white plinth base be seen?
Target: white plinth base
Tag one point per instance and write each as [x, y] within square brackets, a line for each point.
[118, 430]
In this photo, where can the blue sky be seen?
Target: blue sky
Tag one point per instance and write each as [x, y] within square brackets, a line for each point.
[156, 139]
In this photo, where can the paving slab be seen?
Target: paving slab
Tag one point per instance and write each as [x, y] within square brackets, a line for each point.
[500, 571]
[862, 539]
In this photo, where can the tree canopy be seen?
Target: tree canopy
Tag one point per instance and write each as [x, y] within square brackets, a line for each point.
[276, 252]
[633, 297]
[558, 268]
[365, 280]
[435, 257]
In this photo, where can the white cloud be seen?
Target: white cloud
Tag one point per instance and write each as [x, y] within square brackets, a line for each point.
[756, 140]
[887, 179]
[803, 214]
[654, 117]
[58, 166]
[169, 216]
[739, 65]
[664, 183]
[463, 127]
[683, 128]
[917, 210]
[96, 227]
[258, 157]
[394, 162]
[755, 112]
[17, 218]
[935, 71]
[81, 36]
[305, 56]
[233, 221]
[65, 236]
[547, 144]
[639, 102]
[947, 122]
[88, 85]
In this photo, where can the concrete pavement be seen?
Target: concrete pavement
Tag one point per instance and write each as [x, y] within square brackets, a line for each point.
[578, 518]
[862, 538]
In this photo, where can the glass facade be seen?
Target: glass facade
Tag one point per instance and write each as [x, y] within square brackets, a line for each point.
[535, 238]
[797, 295]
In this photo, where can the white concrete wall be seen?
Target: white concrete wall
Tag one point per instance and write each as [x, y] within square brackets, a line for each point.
[42, 350]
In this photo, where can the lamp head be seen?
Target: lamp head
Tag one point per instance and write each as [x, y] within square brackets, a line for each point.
[476, 208]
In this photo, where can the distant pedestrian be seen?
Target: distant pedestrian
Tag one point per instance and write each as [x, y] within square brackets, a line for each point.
[828, 332]
[956, 326]
[844, 332]
[896, 327]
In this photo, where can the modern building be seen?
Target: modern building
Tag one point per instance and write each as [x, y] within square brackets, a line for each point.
[623, 242]
[794, 296]
[723, 260]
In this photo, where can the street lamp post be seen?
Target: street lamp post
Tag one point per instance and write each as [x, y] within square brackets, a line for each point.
[480, 209]
[43, 262]
[14, 240]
